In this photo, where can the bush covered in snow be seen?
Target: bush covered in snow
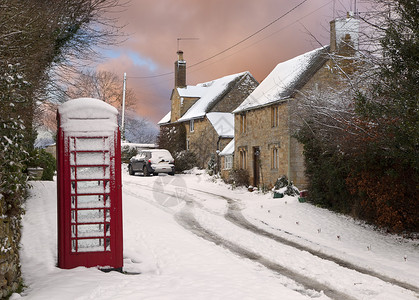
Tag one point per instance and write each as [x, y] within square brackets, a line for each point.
[13, 141]
[12, 163]
[127, 152]
[45, 160]
[238, 177]
[286, 187]
[185, 160]
[212, 165]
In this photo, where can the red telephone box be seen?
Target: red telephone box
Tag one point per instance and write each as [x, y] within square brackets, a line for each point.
[89, 185]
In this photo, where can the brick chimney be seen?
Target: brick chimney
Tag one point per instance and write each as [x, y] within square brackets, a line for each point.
[180, 71]
[344, 33]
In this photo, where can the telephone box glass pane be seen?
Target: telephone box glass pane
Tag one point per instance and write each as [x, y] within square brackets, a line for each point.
[90, 245]
[93, 201]
[92, 230]
[91, 158]
[89, 144]
[90, 187]
[90, 172]
[92, 216]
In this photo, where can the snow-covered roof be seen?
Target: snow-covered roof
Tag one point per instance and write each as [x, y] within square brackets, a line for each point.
[229, 149]
[165, 119]
[209, 93]
[192, 91]
[87, 115]
[223, 123]
[283, 80]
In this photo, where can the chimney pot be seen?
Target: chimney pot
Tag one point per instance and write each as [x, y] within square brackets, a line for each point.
[180, 55]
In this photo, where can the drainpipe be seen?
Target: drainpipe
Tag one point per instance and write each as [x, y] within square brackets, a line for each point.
[289, 142]
[218, 155]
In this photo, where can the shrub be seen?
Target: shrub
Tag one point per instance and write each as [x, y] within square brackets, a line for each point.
[212, 165]
[287, 186]
[127, 152]
[238, 177]
[185, 160]
[13, 181]
[172, 137]
[45, 160]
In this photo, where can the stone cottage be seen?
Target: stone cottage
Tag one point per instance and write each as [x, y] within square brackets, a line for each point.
[205, 110]
[263, 143]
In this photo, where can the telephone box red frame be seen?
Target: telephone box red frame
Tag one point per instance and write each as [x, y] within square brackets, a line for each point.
[103, 235]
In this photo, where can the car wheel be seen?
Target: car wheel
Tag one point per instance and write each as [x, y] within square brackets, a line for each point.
[145, 171]
[130, 170]
[172, 174]
[155, 174]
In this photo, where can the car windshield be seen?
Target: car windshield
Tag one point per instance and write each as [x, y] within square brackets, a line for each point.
[161, 155]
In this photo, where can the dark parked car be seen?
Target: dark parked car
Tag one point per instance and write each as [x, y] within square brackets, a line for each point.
[153, 161]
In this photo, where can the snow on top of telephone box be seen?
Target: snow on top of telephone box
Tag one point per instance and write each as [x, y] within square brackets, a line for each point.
[87, 115]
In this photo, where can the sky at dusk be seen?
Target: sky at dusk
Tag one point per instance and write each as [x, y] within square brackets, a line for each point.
[153, 27]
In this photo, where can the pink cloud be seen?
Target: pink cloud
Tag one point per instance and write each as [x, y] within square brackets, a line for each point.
[154, 27]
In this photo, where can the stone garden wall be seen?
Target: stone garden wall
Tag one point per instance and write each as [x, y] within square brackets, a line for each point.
[10, 233]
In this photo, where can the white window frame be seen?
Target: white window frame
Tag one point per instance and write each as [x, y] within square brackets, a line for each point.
[228, 162]
[191, 126]
[187, 144]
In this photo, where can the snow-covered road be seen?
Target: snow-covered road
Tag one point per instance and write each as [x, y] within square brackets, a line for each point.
[192, 237]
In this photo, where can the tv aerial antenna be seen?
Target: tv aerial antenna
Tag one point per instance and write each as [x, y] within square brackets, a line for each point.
[184, 39]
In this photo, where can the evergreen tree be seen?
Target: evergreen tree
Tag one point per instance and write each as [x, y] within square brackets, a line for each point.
[388, 166]
[362, 157]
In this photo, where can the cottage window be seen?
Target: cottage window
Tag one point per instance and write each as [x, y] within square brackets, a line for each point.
[243, 123]
[275, 116]
[228, 162]
[187, 144]
[243, 159]
[275, 158]
[191, 126]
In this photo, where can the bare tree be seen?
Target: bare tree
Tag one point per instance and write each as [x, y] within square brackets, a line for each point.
[139, 130]
[103, 85]
[41, 39]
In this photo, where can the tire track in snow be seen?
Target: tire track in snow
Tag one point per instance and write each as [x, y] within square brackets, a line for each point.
[235, 216]
[186, 219]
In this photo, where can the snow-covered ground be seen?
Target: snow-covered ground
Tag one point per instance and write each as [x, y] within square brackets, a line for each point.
[193, 237]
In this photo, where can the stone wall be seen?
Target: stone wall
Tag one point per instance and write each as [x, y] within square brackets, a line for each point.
[10, 233]
[176, 107]
[261, 135]
[202, 141]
